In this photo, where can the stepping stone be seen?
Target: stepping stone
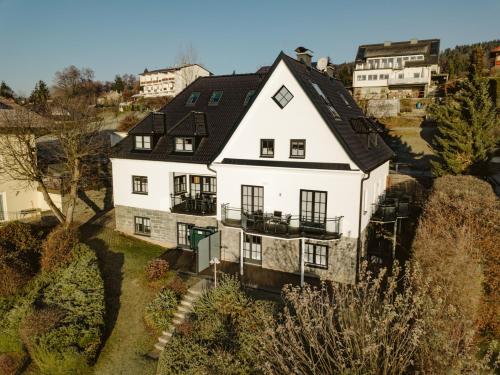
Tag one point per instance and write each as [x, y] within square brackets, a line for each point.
[163, 340]
[167, 333]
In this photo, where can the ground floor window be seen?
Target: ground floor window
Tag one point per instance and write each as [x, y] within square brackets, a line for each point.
[183, 234]
[252, 249]
[142, 225]
[316, 255]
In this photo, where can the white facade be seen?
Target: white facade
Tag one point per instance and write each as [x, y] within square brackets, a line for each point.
[169, 82]
[378, 77]
[160, 182]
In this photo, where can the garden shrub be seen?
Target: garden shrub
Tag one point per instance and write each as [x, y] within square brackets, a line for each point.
[38, 323]
[222, 335]
[64, 362]
[19, 254]
[159, 312]
[57, 247]
[178, 286]
[77, 289]
[11, 363]
[156, 269]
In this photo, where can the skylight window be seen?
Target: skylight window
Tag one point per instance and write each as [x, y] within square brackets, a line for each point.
[342, 96]
[193, 98]
[249, 97]
[283, 97]
[329, 105]
[215, 98]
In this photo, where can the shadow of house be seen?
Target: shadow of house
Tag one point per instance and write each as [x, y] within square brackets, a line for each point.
[111, 267]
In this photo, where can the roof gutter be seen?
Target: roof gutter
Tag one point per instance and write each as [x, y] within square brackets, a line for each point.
[358, 251]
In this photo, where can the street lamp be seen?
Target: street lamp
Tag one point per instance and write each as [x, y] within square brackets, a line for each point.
[215, 261]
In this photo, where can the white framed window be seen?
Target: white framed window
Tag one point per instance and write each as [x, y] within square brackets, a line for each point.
[184, 144]
[283, 97]
[140, 185]
[143, 142]
[316, 255]
[142, 225]
[252, 249]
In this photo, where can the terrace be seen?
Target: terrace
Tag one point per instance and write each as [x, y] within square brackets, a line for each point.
[282, 225]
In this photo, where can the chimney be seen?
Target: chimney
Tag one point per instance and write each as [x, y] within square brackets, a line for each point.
[304, 55]
[330, 70]
[387, 43]
[413, 41]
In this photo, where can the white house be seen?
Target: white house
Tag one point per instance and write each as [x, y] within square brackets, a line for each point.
[18, 199]
[395, 69]
[169, 81]
[281, 161]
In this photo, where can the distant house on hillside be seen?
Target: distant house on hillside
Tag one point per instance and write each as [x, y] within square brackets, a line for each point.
[494, 58]
[396, 69]
[169, 81]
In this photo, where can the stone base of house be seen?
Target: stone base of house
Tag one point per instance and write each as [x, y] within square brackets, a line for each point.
[163, 224]
[278, 254]
[284, 255]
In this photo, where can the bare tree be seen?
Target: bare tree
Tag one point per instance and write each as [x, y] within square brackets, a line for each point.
[186, 56]
[77, 143]
[368, 328]
[72, 81]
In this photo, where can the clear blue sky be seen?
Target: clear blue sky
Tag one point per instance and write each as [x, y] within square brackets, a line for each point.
[39, 37]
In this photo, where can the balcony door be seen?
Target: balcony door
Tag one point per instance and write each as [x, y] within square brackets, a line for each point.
[252, 198]
[200, 185]
[313, 206]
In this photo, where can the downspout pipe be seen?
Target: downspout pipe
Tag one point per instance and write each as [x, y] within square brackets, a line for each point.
[358, 255]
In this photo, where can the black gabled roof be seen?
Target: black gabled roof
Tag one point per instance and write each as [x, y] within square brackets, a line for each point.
[355, 145]
[222, 120]
[193, 124]
[219, 120]
[427, 47]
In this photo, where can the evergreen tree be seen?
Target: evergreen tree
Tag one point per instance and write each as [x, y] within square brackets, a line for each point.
[39, 97]
[466, 127]
[119, 85]
[6, 91]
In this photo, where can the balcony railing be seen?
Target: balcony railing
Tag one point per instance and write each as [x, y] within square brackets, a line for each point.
[280, 224]
[205, 204]
[390, 209]
[407, 80]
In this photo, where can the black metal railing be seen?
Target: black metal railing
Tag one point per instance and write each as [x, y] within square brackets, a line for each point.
[280, 224]
[388, 209]
[205, 204]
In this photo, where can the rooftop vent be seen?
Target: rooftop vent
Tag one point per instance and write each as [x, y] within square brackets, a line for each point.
[304, 55]
[387, 43]
[413, 41]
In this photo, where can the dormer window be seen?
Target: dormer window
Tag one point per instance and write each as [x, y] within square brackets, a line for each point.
[283, 97]
[193, 98]
[184, 144]
[142, 142]
[249, 97]
[215, 98]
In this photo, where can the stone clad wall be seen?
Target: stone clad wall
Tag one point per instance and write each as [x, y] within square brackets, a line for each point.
[163, 224]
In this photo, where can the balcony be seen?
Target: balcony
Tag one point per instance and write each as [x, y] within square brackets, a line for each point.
[281, 225]
[203, 204]
[389, 209]
[394, 81]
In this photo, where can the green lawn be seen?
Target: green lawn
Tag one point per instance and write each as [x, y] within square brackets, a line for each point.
[122, 263]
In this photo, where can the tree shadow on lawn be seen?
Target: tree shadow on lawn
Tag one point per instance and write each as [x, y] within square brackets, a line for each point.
[111, 267]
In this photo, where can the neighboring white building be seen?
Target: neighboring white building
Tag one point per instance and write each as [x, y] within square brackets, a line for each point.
[18, 199]
[395, 69]
[169, 81]
[282, 161]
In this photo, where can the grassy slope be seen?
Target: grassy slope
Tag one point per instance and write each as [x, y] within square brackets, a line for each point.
[123, 260]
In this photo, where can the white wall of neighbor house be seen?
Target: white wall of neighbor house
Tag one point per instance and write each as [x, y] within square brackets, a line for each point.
[16, 196]
[282, 190]
[299, 119]
[160, 181]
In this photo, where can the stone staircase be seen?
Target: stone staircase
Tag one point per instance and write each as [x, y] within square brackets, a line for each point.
[183, 310]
